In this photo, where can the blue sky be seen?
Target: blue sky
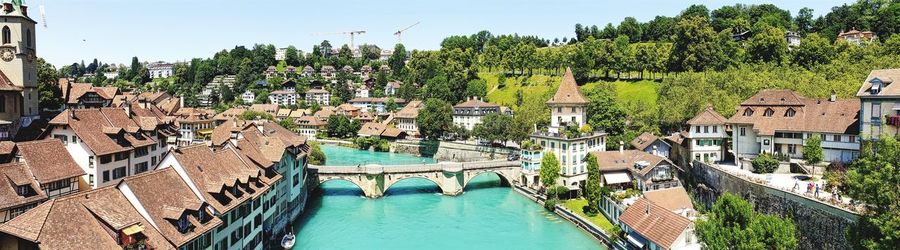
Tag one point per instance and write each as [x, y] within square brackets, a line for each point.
[115, 30]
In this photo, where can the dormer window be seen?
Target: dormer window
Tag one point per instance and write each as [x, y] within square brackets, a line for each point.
[748, 112]
[769, 112]
[790, 112]
[25, 190]
[876, 86]
[183, 224]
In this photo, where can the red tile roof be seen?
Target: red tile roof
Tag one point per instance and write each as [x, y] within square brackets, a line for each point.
[810, 115]
[49, 160]
[568, 92]
[655, 223]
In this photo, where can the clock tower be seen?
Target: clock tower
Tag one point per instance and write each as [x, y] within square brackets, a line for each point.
[18, 74]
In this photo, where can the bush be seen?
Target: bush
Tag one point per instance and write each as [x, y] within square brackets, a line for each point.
[550, 203]
[764, 164]
[316, 156]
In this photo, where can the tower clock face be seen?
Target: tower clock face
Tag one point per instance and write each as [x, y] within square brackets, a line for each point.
[7, 54]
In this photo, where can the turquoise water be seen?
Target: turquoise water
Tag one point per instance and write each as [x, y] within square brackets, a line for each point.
[413, 215]
[343, 156]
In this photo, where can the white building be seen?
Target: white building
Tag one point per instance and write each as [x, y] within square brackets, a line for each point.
[469, 113]
[280, 54]
[568, 107]
[161, 70]
[283, 97]
[392, 88]
[108, 143]
[780, 122]
[793, 38]
[706, 137]
[248, 96]
[361, 92]
[378, 104]
[405, 119]
[320, 96]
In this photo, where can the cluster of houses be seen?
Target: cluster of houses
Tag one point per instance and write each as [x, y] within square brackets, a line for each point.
[658, 214]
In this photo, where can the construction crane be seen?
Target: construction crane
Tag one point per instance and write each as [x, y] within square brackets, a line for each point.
[400, 32]
[351, 33]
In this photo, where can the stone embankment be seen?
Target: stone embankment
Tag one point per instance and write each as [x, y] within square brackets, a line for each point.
[451, 151]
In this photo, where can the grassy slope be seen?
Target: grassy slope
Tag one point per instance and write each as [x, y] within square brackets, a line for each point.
[537, 86]
[599, 220]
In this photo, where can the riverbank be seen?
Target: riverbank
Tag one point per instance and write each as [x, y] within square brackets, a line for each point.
[582, 223]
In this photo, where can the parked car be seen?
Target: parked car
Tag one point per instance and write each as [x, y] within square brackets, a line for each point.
[512, 157]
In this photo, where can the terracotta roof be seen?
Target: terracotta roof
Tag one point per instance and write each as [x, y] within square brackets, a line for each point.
[13, 175]
[6, 147]
[375, 100]
[673, 199]
[297, 113]
[708, 116]
[347, 107]
[286, 136]
[160, 205]
[655, 223]
[887, 77]
[810, 115]
[222, 133]
[6, 84]
[568, 92]
[76, 90]
[476, 103]
[97, 128]
[644, 140]
[309, 120]
[316, 91]
[212, 175]
[371, 129]
[268, 108]
[229, 113]
[283, 113]
[49, 160]
[625, 160]
[77, 222]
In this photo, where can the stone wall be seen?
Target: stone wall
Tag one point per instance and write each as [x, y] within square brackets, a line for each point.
[819, 225]
[451, 151]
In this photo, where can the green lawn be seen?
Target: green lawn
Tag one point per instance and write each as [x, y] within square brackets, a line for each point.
[541, 86]
[599, 220]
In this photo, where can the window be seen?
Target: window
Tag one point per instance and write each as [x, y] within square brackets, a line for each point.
[105, 159]
[119, 172]
[715, 129]
[559, 110]
[2, 103]
[790, 112]
[852, 139]
[28, 38]
[748, 112]
[705, 129]
[7, 36]
[697, 129]
[769, 112]
[573, 109]
[106, 176]
[183, 224]
[876, 111]
[837, 138]
[121, 156]
[140, 168]
[153, 161]
[60, 184]
[743, 131]
[91, 179]
[792, 149]
[63, 138]
[141, 151]
[74, 139]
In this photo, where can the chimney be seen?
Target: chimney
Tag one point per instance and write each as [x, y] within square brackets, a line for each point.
[128, 109]
[621, 147]
[72, 114]
[647, 211]
[833, 96]
[180, 102]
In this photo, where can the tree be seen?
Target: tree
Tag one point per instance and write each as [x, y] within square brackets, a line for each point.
[435, 118]
[391, 105]
[592, 187]
[397, 61]
[316, 156]
[695, 10]
[292, 56]
[695, 47]
[603, 112]
[732, 224]
[493, 127]
[872, 180]
[632, 28]
[476, 88]
[549, 170]
[764, 164]
[661, 28]
[50, 95]
[288, 123]
[814, 50]
[255, 115]
[767, 46]
[407, 90]
[804, 21]
[812, 150]
[341, 127]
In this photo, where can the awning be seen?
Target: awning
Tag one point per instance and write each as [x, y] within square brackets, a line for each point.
[616, 178]
[635, 240]
[133, 229]
[896, 106]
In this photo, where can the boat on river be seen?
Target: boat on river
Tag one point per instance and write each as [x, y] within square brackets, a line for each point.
[287, 242]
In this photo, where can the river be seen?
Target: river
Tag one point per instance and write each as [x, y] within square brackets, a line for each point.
[413, 215]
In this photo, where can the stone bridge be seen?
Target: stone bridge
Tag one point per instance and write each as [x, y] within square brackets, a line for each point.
[451, 178]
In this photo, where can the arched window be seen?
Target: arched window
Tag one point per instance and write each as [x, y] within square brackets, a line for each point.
[790, 112]
[7, 36]
[748, 112]
[28, 38]
[769, 112]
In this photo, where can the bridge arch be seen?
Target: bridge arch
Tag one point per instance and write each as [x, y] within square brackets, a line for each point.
[345, 179]
[390, 180]
[504, 178]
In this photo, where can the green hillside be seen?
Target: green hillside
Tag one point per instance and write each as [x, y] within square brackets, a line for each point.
[541, 86]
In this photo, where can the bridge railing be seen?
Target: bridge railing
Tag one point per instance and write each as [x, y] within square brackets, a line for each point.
[414, 168]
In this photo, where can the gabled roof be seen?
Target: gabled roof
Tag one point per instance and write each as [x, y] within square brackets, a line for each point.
[13, 175]
[708, 116]
[655, 223]
[80, 222]
[568, 92]
[476, 103]
[164, 194]
[49, 160]
[887, 77]
[673, 199]
[809, 115]
[625, 160]
[6, 84]
[98, 129]
[645, 140]
[213, 175]
[411, 110]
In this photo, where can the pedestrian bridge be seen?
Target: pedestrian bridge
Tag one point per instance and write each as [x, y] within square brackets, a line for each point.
[451, 178]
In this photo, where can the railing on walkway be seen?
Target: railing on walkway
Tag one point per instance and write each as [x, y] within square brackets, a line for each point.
[413, 168]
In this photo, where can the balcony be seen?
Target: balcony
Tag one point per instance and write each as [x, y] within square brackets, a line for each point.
[891, 120]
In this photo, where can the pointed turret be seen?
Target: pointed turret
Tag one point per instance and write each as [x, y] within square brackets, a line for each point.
[568, 92]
